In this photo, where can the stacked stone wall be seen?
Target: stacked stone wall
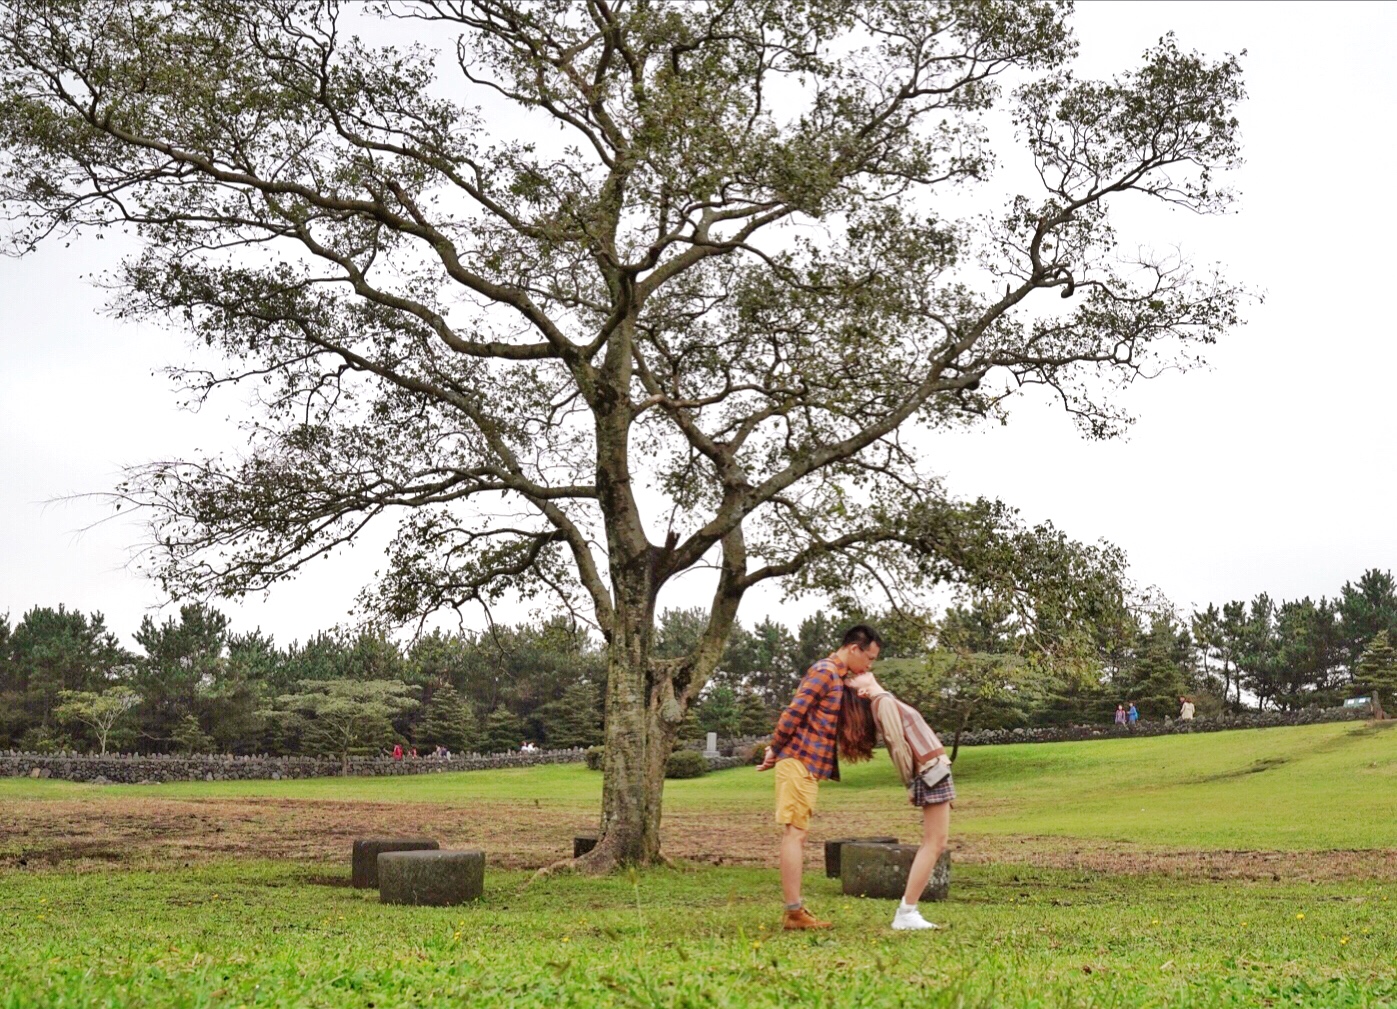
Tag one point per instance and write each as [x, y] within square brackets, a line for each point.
[134, 769]
[1223, 723]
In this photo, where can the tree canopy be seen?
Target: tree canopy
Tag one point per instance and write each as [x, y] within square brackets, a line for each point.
[585, 296]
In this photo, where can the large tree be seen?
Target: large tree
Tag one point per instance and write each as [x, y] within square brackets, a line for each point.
[1365, 610]
[183, 660]
[99, 711]
[587, 294]
[50, 651]
[344, 717]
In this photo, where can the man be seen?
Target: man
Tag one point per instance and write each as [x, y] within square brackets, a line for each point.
[803, 752]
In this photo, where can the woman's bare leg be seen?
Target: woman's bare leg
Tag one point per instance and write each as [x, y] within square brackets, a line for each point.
[936, 830]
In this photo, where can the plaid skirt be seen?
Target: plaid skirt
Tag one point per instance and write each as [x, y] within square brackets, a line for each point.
[922, 795]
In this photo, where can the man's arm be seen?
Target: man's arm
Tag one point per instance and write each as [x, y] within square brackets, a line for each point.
[816, 684]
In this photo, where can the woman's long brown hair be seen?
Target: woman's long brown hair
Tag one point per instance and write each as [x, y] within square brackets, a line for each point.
[856, 733]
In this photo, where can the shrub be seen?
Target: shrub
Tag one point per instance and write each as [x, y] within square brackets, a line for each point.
[594, 755]
[753, 753]
[686, 764]
[1208, 705]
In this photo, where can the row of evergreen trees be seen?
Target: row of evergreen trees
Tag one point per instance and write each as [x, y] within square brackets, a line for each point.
[194, 684]
[1273, 655]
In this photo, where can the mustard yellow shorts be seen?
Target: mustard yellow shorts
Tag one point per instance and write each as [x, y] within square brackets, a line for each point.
[796, 791]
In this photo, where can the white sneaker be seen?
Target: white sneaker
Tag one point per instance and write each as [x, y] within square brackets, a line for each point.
[910, 919]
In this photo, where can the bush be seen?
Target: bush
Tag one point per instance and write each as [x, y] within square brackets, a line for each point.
[686, 764]
[753, 753]
[594, 755]
[1208, 705]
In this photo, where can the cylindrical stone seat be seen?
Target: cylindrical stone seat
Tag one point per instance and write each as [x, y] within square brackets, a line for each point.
[832, 851]
[880, 870]
[583, 843]
[364, 869]
[434, 878]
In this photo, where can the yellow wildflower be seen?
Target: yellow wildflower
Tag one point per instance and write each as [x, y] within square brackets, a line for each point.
[1343, 941]
[1300, 916]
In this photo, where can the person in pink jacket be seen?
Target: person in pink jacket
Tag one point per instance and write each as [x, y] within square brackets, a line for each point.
[922, 763]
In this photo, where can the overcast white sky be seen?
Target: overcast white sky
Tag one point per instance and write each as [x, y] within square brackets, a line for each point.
[1273, 471]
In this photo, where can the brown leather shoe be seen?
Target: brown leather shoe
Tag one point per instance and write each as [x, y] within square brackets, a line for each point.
[801, 918]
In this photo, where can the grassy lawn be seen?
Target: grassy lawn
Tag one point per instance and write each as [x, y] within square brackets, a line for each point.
[222, 924]
[274, 934]
[1310, 788]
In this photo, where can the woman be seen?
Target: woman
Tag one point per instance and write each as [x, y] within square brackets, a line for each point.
[921, 761]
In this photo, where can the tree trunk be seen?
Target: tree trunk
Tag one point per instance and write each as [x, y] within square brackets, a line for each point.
[642, 718]
[961, 723]
[645, 704]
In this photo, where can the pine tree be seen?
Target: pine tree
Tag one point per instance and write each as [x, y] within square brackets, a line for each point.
[1159, 677]
[448, 721]
[190, 737]
[754, 718]
[1377, 670]
[718, 712]
[503, 731]
[572, 720]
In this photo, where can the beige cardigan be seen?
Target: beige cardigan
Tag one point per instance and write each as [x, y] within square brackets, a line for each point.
[912, 745]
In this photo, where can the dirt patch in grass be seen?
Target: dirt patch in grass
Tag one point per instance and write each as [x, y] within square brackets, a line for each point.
[149, 831]
[1112, 858]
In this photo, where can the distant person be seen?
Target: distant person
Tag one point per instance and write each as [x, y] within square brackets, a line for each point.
[397, 751]
[1120, 714]
[925, 769]
[1186, 709]
[803, 752]
[412, 753]
[1132, 716]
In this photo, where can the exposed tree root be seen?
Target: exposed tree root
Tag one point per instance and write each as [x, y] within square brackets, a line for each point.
[600, 861]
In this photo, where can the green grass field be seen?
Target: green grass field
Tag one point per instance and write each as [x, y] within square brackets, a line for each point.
[1316, 787]
[231, 932]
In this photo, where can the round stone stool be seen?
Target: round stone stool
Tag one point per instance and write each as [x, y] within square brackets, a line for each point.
[832, 850]
[880, 870]
[434, 878]
[364, 870]
[583, 843]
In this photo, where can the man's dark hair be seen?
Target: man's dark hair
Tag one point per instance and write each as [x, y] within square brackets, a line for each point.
[863, 636]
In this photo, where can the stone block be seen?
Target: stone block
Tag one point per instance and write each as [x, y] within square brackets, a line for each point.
[434, 878]
[832, 851]
[364, 863]
[880, 870]
[583, 843]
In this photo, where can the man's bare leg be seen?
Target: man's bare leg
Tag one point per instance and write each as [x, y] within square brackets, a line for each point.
[792, 863]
